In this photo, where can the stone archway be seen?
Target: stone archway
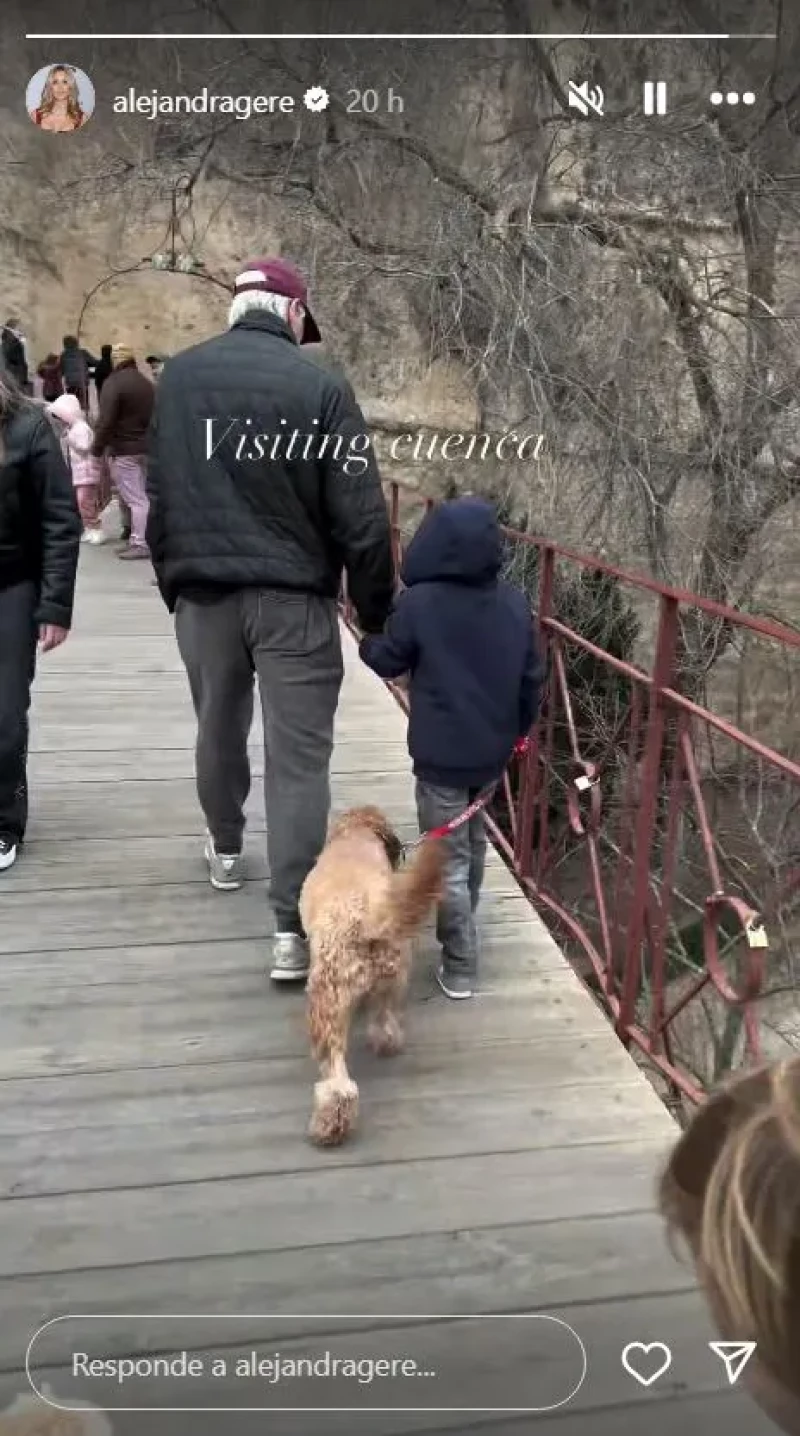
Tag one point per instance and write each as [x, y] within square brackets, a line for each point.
[149, 267]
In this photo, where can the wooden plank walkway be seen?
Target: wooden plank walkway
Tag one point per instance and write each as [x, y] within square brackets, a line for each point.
[155, 1092]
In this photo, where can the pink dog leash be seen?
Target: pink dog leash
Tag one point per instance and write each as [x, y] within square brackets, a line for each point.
[520, 750]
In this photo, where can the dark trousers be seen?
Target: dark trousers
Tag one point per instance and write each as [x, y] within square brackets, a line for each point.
[466, 860]
[18, 635]
[291, 643]
[81, 393]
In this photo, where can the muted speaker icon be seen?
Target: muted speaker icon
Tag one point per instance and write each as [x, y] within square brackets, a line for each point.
[585, 98]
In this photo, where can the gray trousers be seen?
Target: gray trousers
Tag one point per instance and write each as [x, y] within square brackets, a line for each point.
[291, 643]
[455, 918]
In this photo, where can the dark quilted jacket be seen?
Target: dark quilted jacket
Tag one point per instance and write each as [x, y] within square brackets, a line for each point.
[40, 529]
[234, 504]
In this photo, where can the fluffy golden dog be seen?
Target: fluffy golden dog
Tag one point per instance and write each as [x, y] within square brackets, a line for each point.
[360, 915]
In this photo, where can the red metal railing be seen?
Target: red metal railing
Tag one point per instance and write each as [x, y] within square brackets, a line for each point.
[659, 838]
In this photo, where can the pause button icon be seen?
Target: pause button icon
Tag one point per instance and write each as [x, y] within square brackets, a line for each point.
[655, 97]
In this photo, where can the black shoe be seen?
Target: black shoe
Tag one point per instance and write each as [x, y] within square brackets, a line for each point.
[8, 852]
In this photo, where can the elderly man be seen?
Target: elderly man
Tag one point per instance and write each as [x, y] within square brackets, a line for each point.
[263, 487]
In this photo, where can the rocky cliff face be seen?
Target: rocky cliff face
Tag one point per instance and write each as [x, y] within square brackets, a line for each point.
[80, 224]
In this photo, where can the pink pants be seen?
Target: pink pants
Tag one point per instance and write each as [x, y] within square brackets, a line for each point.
[87, 496]
[128, 478]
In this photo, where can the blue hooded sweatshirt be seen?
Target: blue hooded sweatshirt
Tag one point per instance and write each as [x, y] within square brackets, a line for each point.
[467, 641]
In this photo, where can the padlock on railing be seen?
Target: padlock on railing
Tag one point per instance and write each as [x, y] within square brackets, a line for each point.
[751, 972]
[756, 933]
[586, 782]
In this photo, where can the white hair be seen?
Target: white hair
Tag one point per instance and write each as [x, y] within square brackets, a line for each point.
[262, 299]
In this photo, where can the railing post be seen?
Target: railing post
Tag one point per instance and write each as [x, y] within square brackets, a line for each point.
[394, 522]
[662, 675]
[547, 569]
[530, 785]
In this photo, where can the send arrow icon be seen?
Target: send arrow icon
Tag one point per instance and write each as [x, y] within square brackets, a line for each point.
[735, 1354]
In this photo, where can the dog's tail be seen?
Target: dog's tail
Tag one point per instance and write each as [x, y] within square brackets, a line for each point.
[413, 891]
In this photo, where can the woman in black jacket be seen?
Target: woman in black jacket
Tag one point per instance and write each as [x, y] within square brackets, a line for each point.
[40, 532]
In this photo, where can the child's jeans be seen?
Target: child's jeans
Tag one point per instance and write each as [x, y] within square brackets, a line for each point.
[87, 498]
[455, 919]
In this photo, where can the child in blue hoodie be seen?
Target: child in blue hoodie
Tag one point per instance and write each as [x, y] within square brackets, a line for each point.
[466, 640]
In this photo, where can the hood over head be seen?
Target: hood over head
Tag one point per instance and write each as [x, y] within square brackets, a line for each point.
[459, 542]
[67, 408]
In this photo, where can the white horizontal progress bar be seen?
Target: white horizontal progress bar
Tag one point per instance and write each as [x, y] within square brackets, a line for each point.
[345, 35]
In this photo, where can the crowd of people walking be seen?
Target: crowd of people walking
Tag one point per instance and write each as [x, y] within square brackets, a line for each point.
[74, 370]
[101, 410]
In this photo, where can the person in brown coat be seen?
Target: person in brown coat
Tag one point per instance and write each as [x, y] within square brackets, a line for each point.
[126, 406]
[49, 372]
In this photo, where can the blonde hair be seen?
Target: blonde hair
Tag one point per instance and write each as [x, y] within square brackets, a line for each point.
[48, 100]
[731, 1189]
[121, 354]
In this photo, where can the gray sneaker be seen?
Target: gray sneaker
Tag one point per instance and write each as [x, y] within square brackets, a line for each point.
[456, 985]
[290, 959]
[224, 869]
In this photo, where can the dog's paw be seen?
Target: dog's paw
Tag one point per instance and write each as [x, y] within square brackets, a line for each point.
[335, 1112]
[386, 1039]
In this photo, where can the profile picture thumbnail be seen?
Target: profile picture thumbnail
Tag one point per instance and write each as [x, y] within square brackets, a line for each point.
[60, 98]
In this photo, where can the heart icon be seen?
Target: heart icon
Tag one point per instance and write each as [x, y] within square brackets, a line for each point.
[646, 1362]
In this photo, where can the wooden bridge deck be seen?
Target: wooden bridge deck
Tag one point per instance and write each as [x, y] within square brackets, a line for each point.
[155, 1091]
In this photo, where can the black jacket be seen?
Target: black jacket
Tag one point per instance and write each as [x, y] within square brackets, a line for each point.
[126, 408]
[40, 528]
[102, 368]
[13, 353]
[234, 503]
[468, 642]
[75, 364]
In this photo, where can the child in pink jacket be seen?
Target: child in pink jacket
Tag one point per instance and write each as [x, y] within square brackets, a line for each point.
[76, 440]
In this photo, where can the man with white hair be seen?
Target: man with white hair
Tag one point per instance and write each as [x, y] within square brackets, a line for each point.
[263, 489]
